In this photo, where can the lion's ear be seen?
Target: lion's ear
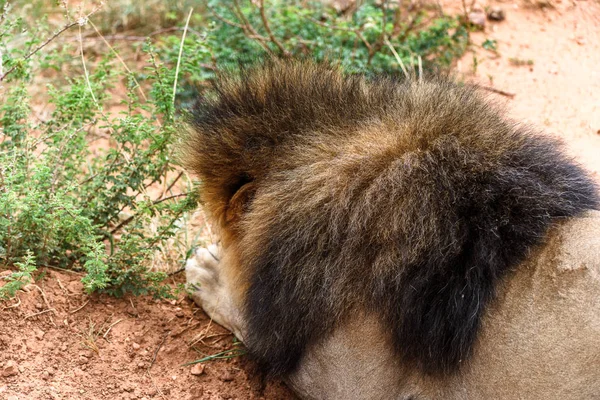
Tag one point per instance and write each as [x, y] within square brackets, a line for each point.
[239, 203]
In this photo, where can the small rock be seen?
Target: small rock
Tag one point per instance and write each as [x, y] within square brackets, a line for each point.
[197, 369]
[10, 369]
[45, 375]
[39, 334]
[226, 376]
[39, 306]
[128, 387]
[83, 360]
[50, 371]
[477, 18]
[496, 13]
[179, 313]
[87, 353]
[135, 346]
[75, 287]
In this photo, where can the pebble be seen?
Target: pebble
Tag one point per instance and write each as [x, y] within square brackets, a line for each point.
[87, 353]
[128, 387]
[477, 18]
[39, 334]
[197, 369]
[226, 376]
[10, 369]
[496, 13]
[135, 346]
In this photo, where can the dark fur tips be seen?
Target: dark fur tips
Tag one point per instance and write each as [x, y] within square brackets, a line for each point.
[411, 200]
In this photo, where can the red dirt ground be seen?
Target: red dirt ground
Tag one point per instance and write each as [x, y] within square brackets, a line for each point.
[57, 343]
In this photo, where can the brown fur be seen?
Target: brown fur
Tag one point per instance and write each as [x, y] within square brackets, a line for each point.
[409, 201]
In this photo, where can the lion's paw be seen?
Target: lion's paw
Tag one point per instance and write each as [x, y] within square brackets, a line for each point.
[209, 290]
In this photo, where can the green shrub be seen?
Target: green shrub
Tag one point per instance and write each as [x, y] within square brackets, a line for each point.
[67, 202]
[373, 39]
[64, 205]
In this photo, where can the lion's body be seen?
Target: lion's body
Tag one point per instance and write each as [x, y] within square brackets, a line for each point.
[389, 239]
[540, 339]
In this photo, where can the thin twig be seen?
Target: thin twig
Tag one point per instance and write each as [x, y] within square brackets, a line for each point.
[41, 312]
[43, 296]
[63, 269]
[81, 22]
[157, 350]
[186, 329]
[187, 23]
[155, 202]
[398, 59]
[110, 327]
[79, 308]
[85, 71]
[137, 313]
[155, 385]
[31, 54]
[225, 20]
[121, 60]
[265, 22]
[176, 271]
[175, 196]
[498, 91]
[168, 189]
[249, 30]
[381, 39]
[202, 334]
[355, 31]
[17, 304]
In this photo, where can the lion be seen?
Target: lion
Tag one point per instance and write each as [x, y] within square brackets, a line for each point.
[394, 239]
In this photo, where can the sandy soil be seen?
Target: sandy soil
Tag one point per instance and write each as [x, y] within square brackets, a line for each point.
[560, 91]
[57, 343]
